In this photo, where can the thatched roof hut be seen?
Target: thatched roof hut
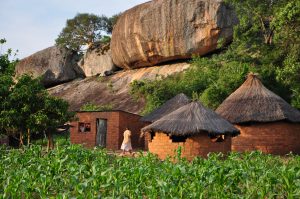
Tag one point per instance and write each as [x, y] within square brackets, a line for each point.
[195, 128]
[168, 107]
[192, 119]
[266, 122]
[253, 102]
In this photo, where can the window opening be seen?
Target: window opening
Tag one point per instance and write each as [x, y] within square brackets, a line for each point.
[84, 127]
[217, 138]
[178, 138]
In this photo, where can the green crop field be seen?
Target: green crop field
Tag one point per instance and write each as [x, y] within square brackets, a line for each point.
[75, 172]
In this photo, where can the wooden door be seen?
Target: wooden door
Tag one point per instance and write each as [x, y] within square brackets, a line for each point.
[101, 132]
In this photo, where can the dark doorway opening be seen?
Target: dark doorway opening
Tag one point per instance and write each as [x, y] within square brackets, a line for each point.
[101, 132]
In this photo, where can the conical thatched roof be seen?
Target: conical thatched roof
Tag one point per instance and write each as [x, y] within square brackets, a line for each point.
[168, 107]
[192, 119]
[252, 102]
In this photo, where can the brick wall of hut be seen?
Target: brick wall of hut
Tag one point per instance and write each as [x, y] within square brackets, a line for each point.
[277, 138]
[134, 124]
[117, 122]
[199, 145]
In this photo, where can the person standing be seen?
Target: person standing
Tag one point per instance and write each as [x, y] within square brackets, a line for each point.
[126, 144]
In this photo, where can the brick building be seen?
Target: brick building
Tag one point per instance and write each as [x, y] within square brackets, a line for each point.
[106, 129]
[266, 122]
[196, 129]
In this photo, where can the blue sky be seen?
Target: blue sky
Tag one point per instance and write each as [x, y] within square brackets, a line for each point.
[32, 25]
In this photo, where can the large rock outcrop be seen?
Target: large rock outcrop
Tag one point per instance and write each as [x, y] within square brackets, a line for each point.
[165, 30]
[113, 90]
[55, 65]
[97, 61]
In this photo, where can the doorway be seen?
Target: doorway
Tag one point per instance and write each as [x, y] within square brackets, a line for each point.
[101, 132]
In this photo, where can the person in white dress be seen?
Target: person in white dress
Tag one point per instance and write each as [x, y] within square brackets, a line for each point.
[126, 144]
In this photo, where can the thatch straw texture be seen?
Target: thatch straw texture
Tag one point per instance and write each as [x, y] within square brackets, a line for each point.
[252, 102]
[168, 107]
[192, 119]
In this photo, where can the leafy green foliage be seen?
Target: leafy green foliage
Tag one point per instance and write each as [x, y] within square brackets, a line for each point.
[94, 107]
[25, 104]
[213, 79]
[71, 172]
[7, 69]
[85, 29]
[31, 109]
[111, 22]
[269, 34]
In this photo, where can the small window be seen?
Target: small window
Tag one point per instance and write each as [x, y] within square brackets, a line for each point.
[178, 138]
[217, 138]
[84, 127]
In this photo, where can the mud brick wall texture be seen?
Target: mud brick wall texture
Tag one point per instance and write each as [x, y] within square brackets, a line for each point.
[199, 145]
[278, 138]
[117, 121]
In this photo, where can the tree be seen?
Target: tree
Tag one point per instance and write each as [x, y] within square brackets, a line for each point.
[7, 68]
[256, 17]
[83, 29]
[26, 106]
[86, 29]
[54, 114]
[33, 110]
[25, 102]
[111, 22]
[269, 35]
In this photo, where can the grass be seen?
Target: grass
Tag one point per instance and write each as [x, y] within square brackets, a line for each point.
[72, 171]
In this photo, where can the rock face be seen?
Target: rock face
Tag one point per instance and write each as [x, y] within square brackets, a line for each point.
[56, 65]
[97, 61]
[165, 30]
[112, 90]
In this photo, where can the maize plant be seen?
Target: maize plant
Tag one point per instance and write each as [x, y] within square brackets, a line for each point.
[75, 172]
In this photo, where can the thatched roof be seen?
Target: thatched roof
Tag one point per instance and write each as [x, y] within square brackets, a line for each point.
[192, 119]
[168, 107]
[252, 102]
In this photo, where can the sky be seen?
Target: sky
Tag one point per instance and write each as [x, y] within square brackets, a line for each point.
[32, 25]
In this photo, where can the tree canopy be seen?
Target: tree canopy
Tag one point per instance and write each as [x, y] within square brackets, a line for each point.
[85, 29]
[25, 105]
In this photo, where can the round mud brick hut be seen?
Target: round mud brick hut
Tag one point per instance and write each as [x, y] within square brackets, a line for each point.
[267, 123]
[194, 128]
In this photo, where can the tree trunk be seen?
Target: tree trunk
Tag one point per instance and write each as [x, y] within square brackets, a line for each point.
[269, 37]
[21, 139]
[28, 137]
[50, 144]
